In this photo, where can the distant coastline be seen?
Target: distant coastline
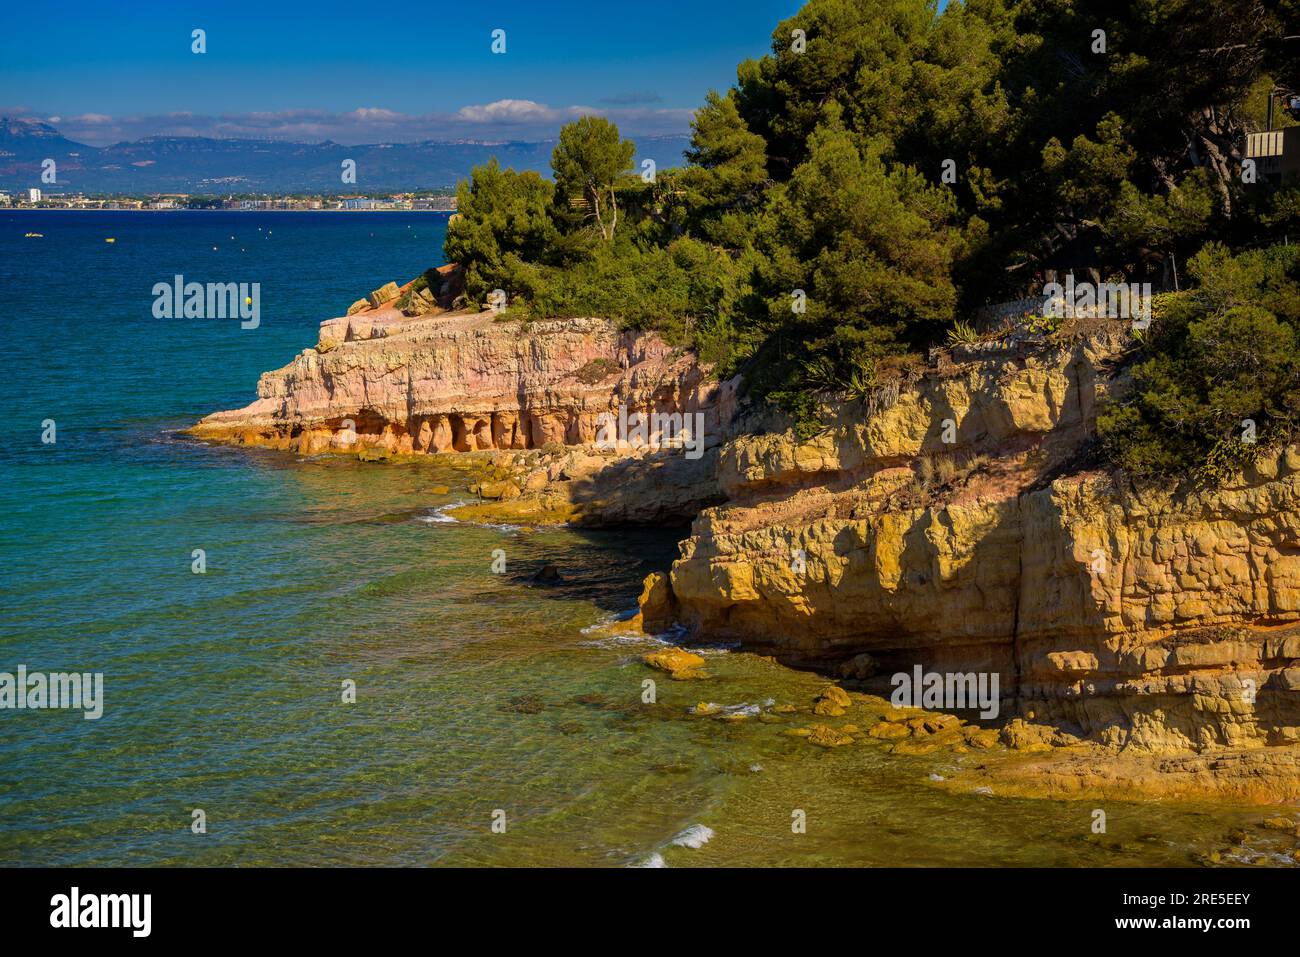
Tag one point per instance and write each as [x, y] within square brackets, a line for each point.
[206, 209]
[418, 200]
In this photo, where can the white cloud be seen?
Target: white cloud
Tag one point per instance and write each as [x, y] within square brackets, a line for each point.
[509, 111]
[374, 113]
[510, 118]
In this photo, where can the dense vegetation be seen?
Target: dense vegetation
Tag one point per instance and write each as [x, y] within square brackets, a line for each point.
[887, 168]
[1220, 378]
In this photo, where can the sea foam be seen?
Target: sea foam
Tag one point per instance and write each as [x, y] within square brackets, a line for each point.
[695, 836]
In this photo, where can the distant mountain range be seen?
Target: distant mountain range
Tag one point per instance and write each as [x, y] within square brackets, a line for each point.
[195, 164]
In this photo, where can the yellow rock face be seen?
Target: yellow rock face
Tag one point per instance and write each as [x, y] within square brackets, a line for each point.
[658, 610]
[460, 382]
[1146, 621]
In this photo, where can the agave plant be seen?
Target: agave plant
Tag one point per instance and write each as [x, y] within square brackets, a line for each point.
[962, 333]
[821, 373]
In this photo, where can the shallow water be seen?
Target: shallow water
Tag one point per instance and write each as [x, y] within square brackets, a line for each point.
[476, 692]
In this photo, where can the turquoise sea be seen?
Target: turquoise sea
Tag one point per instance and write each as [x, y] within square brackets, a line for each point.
[476, 693]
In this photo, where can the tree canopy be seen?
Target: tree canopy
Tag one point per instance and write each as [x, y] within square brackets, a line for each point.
[889, 167]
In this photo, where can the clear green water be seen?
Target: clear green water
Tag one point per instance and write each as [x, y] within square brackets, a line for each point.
[475, 691]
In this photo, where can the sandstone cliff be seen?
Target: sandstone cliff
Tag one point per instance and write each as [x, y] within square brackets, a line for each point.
[956, 521]
[380, 382]
[956, 527]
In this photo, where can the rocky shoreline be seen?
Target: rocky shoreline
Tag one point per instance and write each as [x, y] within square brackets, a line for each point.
[1145, 641]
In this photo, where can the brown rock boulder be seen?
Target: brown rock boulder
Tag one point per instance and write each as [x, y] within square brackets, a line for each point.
[832, 702]
[827, 737]
[385, 293]
[681, 665]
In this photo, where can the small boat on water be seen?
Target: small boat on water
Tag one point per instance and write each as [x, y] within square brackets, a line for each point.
[33, 236]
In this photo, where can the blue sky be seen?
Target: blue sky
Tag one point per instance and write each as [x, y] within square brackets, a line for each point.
[369, 72]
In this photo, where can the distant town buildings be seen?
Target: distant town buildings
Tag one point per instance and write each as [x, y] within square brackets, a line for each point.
[166, 201]
[445, 204]
[398, 201]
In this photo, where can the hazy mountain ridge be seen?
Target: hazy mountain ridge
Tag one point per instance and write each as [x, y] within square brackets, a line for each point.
[193, 164]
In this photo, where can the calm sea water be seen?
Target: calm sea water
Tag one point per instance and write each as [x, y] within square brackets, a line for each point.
[475, 692]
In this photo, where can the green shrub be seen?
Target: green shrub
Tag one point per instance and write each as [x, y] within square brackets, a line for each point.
[597, 370]
[1219, 379]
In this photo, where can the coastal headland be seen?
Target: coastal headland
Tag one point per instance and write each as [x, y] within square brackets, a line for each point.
[957, 521]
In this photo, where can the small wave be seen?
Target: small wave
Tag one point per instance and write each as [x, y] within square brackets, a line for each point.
[439, 515]
[1245, 854]
[744, 709]
[653, 859]
[621, 640]
[713, 649]
[673, 635]
[695, 836]
[606, 621]
[608, 635]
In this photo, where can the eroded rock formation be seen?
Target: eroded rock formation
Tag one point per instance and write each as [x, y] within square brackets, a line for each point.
[462, 382]
[956, 522]
[1146, 621]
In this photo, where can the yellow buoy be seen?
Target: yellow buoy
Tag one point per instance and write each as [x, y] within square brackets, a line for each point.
[110, 239]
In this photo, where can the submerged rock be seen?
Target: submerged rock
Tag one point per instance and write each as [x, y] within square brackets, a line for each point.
[548, 573]
[1279, 824]
[827, 737]
[525, 704]
[889, 731]
[832, 702]
[680, 664]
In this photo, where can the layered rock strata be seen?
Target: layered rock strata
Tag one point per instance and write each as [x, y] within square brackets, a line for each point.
[382, 383]
[956, 522]
[954, 528]
[462, 382]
